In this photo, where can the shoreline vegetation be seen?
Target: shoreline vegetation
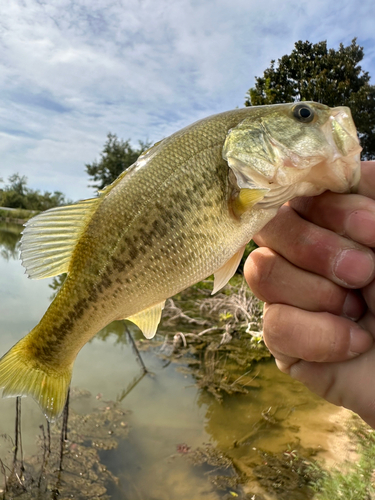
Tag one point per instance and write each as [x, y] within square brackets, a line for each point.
[16, 215]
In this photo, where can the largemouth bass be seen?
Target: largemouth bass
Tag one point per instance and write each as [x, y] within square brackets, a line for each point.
[185, 210]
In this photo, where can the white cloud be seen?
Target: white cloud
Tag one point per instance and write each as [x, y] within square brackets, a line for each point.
[71, 71]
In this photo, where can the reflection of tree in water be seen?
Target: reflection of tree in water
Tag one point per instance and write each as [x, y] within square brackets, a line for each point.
[10, 235]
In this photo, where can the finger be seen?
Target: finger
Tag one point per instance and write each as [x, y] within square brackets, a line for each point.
[275, 280]
[366, 185]
[318, 250]
[292, 334]
[351, 215]
[367, 322]
[368, 293]
[348, 384]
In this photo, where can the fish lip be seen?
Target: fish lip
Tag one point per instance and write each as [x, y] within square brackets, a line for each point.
[341, 123]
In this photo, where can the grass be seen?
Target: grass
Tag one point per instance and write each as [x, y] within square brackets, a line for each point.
[354, 481]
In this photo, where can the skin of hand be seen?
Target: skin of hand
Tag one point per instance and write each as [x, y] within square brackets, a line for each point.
[315, 271]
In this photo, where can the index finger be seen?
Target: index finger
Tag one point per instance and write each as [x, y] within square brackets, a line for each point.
[350, 215]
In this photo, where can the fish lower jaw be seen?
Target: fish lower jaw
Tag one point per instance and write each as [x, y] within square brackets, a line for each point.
[338, 176]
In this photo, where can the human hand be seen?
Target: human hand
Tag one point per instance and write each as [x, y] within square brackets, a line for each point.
[315, 270]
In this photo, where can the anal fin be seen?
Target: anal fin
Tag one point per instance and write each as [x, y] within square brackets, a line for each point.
[148, 320]
[224, 274]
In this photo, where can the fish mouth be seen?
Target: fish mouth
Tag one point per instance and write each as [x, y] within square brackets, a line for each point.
[344, 164]
[344, 132]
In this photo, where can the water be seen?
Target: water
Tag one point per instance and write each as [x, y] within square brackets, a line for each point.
[169, 415]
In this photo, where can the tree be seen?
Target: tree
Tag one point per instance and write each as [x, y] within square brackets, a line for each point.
[116, 157]
[333, 77]
[17, 195]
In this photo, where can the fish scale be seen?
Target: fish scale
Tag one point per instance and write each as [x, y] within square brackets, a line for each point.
[183, 211]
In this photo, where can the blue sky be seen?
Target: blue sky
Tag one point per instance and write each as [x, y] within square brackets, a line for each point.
[73, 70]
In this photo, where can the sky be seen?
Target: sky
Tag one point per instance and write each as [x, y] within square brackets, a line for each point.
[71, 71]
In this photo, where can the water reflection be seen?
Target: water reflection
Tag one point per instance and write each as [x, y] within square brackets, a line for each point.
[10, 235]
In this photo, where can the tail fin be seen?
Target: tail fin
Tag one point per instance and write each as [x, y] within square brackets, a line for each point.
[20, 375]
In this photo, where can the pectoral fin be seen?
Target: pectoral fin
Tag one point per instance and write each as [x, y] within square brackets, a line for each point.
[148, 320]
[246, 199]
[224, 274]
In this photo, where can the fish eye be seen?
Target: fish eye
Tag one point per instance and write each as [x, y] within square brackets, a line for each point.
[303, 113]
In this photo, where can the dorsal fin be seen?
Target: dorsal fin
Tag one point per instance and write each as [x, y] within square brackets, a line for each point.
[49, 238]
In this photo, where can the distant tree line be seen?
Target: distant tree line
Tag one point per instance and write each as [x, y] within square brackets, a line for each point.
[16, 194]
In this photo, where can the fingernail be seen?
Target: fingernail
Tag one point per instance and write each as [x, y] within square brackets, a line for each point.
[353, 267]
[360, 226]
[360, 341]
[353, 307]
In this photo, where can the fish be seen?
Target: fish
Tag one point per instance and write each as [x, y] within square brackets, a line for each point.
[183, 211]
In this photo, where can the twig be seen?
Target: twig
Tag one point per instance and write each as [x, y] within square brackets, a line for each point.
[209, 330]
[66, 415]
[44, 455]
[19, 480]
[165, 343]
[5, 476]
[49, 436]
[176, 313]
[196, 335]
[239, 378]
[16, 433]
[179, 335]
[130, 387]
[18, 436]
[135, 349]
[64, 430]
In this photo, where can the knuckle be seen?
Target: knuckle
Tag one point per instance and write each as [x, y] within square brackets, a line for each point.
[258, 271]
[331, 297]
[272, 320]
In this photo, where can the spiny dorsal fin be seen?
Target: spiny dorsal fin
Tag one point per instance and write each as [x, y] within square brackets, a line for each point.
[224, 274]
[148, 320]
[49, 238]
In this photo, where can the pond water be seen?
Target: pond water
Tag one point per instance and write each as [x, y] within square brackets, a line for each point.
[169, 417]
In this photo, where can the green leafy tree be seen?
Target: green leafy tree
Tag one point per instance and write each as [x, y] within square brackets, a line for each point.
[333, 77]
[116, 157]
[17, 195]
